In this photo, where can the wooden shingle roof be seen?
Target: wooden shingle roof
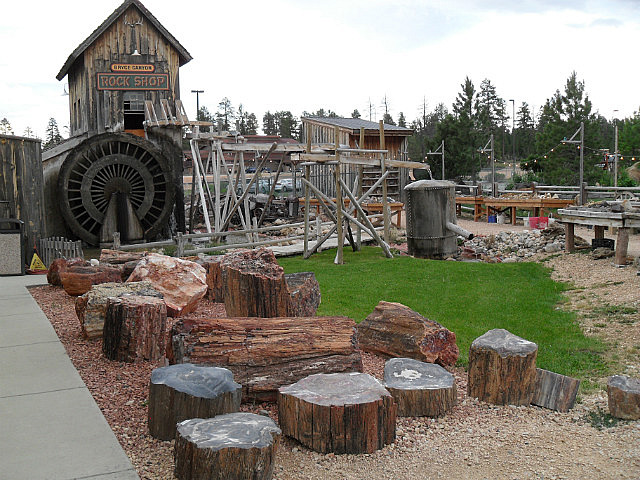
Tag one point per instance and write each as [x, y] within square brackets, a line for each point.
[184, 55]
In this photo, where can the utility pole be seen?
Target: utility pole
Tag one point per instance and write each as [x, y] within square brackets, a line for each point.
[197, 92]
[513, 134]
[441, 152]
[494, 186]
[581, 147]
[615, 151]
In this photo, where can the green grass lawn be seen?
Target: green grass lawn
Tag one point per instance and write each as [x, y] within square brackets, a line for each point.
[467, 298]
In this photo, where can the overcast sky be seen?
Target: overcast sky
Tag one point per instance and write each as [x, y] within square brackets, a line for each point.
[341, 54]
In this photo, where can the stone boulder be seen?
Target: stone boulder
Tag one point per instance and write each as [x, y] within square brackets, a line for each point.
[394, 330]
[91, 308]
[182, 283]
[60, 265]
[624, 397]
[78, 280]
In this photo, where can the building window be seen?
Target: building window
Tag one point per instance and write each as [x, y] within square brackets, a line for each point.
[133, 109]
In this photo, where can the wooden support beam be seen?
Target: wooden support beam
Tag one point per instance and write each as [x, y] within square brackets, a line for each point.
[307, 191]
[622, 244]
[339, 217]
[359, 188]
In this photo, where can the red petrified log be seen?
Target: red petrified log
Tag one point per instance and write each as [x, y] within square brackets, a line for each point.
[78, 280]
[60, 265]
[254, 285]
[395, 330]
[266, 353]
[134, 328]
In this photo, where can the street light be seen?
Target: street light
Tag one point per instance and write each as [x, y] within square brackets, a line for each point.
[513, 134]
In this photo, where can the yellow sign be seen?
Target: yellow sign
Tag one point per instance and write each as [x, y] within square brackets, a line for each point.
[36, 263]
[133, 68]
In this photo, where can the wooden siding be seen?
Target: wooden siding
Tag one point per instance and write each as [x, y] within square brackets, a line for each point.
[21, 195]
[97, 111]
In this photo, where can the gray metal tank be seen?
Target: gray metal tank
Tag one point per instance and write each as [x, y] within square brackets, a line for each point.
[431, 219]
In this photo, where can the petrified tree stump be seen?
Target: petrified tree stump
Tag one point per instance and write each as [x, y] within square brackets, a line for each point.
[502, 368]
[305, 293]
[59, 266]
[134, 328]
[78, 280]
[180, 392]
[338, 412]
[419, 389]
[215, 283]
[624, 397]
[554, 391]
[234, 446]
[91, 308]
[254, 285]
[266, 353]
[394, 330]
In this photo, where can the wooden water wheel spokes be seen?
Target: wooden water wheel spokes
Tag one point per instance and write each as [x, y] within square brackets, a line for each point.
[110, 164]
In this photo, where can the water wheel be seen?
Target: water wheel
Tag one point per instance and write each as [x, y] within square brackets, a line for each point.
[115, 182]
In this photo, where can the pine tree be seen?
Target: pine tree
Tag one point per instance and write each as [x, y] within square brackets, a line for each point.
[5, 127]
[225, 116]
[402, 122]
[269, 126]
[52, 134]
[355, 114]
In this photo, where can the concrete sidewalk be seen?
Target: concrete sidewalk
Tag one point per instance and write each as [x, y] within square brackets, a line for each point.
[50, 426]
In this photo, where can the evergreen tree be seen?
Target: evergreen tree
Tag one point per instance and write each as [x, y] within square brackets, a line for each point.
[5, 127]
[355, 114]
[52, 134]
[286, 124]
[402, 122]
[225, 116]
[204, 116]
[388, 119]
[269, 126]
[247, 123]
[525, 132]
[252, 124]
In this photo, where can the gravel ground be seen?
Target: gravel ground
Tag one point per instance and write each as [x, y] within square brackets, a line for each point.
[474, 441]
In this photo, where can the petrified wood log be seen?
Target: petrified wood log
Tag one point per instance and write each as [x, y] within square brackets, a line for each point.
[394, 330]
[180, 392]
[554, 391]
[339, 413]
[60, 265]
[624, 397]
[254, 285]
[215, 291]
[502, 368]
[234, 446]
[419, 389]
[305, 293]
[119, 257]
[266, 353]
[78, 280]
[134, 328]
[182, 283]
[91, 307]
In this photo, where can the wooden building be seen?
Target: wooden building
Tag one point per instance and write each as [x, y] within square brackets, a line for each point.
[129, 59]
[322, 131]
[118, 171]
[21, 186]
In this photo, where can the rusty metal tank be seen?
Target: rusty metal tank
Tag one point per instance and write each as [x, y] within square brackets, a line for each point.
[431, 219]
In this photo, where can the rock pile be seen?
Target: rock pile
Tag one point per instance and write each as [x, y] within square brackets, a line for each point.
[515, 246]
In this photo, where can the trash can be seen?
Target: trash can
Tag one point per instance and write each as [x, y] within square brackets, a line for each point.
[11, 247]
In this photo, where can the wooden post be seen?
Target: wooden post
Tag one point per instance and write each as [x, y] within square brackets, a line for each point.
[192, 209]
[385, 202]
[622, 245]
[569, 242]
[116, 241]
[180, 242]
[339, 204]
[598, 231]
[359, 190]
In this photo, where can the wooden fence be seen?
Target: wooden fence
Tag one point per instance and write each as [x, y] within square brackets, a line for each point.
[59, 247]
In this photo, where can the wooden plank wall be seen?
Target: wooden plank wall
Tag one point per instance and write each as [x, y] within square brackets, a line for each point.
[21, 186]
[99, 111]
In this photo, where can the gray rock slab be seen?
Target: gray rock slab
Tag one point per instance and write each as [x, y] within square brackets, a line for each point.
[43, 367]
[239, 430]
[410, 374]
[504, 343]
[337, 389]
[195, 380]
[59, 435]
